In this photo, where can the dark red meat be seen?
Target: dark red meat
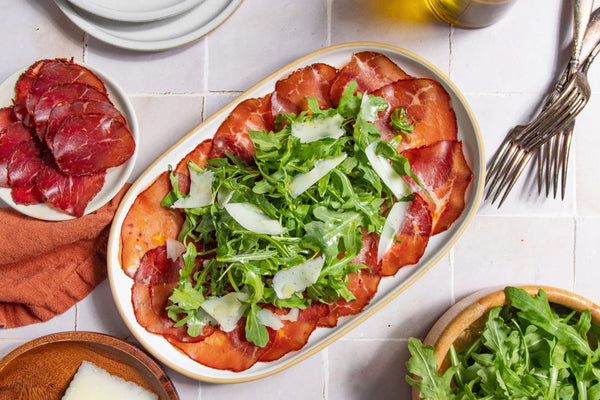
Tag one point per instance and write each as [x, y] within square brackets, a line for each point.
[88, 144]
[7, 117]
[68, 193]
[10, 137]
[23, 167]
[23, 88]
[56, 72]
[60, 94]
[77, 107]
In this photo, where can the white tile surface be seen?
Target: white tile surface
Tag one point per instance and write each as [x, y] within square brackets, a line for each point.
[504, 72]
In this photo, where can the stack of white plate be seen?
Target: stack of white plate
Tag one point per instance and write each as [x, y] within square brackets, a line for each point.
[147, 25]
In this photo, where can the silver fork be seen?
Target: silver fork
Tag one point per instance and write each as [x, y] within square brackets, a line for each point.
[557, 157]
[524, 140]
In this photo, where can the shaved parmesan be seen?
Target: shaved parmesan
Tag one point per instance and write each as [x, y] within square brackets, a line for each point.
[394, 181]
[297, 278]
[226, 310]
[94, 383]
[391, 227]
[369, 110]
[301, 182]
[275, 321]
[200, 191]
[175, 249]
[252, 218]
[317, 129]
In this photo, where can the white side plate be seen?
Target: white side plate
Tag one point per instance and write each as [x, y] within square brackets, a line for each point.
[115, 177]
[155, 35]
[389, 287]
[135, 10]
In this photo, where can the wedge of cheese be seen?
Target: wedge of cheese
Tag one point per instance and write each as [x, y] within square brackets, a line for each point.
[94, 383]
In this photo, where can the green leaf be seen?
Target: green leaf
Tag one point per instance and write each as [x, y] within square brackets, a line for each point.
[255, 331]
[423, 364]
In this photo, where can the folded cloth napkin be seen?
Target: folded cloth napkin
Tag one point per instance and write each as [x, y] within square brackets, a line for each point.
[46, 267]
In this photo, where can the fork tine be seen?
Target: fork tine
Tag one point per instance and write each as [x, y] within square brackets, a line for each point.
[557, 142]
[516, 166]
[568, 135]
[496, 173]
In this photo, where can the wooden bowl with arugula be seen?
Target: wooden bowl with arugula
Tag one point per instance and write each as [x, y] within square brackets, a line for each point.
[516, 342]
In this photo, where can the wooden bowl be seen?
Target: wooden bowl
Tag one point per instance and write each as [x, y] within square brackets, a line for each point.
[44, 367]
[471, 312]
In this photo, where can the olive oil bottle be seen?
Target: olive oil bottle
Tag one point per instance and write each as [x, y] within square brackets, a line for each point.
[470, 13]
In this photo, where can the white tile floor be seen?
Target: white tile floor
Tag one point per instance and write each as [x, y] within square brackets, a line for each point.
[503, 70]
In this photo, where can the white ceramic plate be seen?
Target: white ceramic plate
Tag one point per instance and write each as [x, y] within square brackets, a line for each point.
[135, 10]
[389, 287]
[115, 177]
[156, 35]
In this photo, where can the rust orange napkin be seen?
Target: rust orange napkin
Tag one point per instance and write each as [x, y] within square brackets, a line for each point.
[46, 267]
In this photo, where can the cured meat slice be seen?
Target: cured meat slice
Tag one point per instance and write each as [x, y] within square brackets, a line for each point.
[60, 94]
[444, 172]
[155, 267]
[23, 88]
[70, 194]
[226, 351]
[311, 81]
[23, 167]
[370, 70]
[199, 156]
[88, 144]
[427, 104]
[7, 117]
[56, 72]
[232, 135]
[412, 238]
[10, 137]
[364, 286]
[77, 107]
[294, 334]
[148, 225]
[154, 280]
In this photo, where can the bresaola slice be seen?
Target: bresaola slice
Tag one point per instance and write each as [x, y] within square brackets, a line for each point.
[60, 94]
[88, 144]
[66, 192]
[10, 137]
[7, 117]
[23, 167]
[77, 107]
[56, 72]
[23, 87]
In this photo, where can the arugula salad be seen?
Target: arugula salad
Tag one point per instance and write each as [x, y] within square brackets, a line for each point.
[285, 229]
[528, 349]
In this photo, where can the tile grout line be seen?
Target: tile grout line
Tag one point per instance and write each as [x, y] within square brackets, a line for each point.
[329, 7]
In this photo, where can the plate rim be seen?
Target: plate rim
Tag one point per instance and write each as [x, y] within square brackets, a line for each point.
[150, 45]
[135, 16]
[302, 354]
[116, 95]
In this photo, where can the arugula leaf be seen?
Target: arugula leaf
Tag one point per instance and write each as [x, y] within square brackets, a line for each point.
[423, 363]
